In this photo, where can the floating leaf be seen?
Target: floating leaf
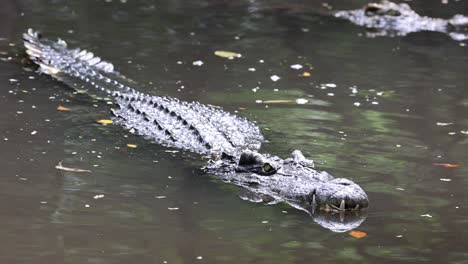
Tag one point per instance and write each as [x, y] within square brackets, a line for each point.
[63, 108]
[132, 145]
[104, 121]
[292, 244]
[446, 165]
[227, 54]
[60, 167]
[306, 74]
[278, 101]
[357, 234]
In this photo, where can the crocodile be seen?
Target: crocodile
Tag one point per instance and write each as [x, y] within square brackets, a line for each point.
[387, 18]
[231, 142]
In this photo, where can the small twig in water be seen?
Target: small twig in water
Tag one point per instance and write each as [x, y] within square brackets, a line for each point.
[60, 167]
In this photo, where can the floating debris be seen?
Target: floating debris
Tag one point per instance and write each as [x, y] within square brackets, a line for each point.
[60, 167]
[252, 69]
[104, 121]
[443, 124]
[306, 74]
[445, 179]
[357, 234]
[227, 54]
[275, 78]
[357, 103]
[98, 196]
[62, 108]
[427, 215]
[302, 101]
[446, 165]
[132, 145]
[34, 132]
[296, 66]
[197, 63]
[277, 101]
[173, 208]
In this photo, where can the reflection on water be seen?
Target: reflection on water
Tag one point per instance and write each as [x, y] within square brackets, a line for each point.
[379, 111]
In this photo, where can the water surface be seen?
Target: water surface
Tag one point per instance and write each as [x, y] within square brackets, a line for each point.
[380, 111]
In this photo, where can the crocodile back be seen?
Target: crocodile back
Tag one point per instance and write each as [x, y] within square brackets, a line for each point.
[192, 126]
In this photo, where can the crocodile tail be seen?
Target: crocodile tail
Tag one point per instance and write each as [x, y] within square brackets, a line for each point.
[78, 68]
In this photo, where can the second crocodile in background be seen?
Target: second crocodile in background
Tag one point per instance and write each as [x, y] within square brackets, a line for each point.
[232, 141]
[386, 18]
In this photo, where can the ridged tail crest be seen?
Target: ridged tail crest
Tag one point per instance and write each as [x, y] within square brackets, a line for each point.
[78, 68]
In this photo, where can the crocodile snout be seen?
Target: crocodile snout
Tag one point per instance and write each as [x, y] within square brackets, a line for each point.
[340, 195]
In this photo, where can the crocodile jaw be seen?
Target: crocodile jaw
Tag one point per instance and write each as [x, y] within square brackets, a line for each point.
[340, 195]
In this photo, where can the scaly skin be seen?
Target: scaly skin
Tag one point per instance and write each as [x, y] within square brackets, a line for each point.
[390, 19]
[230, 140]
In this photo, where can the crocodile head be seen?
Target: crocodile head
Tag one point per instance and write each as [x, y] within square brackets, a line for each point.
[458, 27]
[385, 8]
[385, 18]
[293, 180]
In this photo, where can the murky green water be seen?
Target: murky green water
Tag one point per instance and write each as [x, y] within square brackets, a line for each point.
[399, 106]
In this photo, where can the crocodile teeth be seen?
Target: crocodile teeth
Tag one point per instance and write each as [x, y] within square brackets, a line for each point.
[342, 205]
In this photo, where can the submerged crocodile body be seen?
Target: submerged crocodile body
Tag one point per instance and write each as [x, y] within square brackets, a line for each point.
[386, 18]
[230, 140]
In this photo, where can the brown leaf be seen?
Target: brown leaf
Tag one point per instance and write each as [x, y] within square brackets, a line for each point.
[60, 167]
[357, 234]
[63, 108]
[446, 165]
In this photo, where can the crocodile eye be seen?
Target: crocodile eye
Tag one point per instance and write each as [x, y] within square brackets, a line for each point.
[393, 12]
[267, 167]
[371, 10]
